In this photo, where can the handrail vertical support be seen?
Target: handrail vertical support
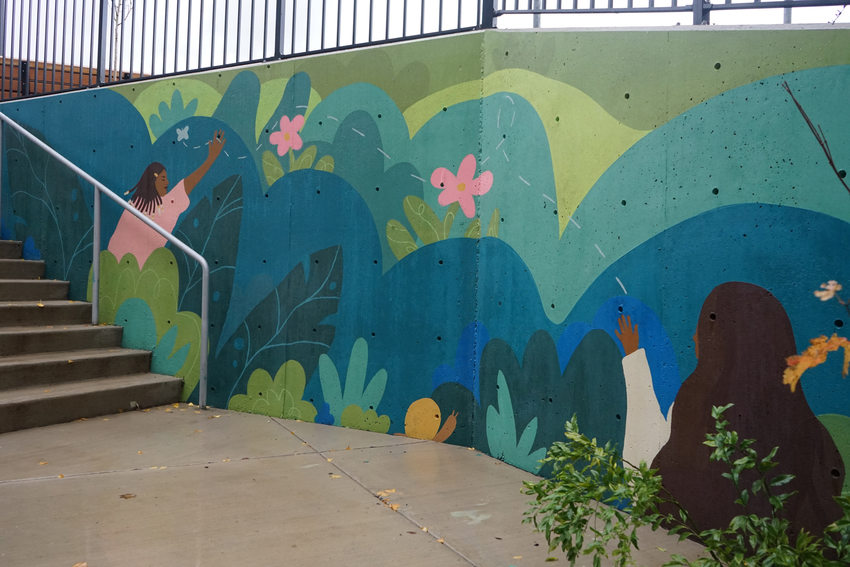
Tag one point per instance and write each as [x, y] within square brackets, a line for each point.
[205, 307]
[702, 9]
[487, 14]
[95, 261]
[101, 47]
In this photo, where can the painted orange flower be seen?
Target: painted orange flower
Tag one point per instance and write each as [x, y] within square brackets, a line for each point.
[813, 356]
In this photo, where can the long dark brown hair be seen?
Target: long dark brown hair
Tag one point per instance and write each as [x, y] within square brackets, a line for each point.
[143, 194]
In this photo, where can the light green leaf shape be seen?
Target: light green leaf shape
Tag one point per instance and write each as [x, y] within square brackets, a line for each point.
[305, 160]
[325, 163]
[271, 167]
[400, 240]
[280, 397]
[493, 229]
[355, 379]
[355, 418]
[474, 230]
[450, 219]
[501, 433]
[422, 218]
[156, 285]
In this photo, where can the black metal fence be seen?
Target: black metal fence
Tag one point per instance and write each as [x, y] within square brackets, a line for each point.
[57, 45]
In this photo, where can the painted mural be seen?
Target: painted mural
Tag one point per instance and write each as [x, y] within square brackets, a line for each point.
[471, 239]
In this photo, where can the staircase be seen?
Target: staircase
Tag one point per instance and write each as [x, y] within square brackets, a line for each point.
[55, 366]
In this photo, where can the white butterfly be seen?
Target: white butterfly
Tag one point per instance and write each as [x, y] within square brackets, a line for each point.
[183, 133]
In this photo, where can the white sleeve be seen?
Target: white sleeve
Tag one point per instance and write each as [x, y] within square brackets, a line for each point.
[647, 430]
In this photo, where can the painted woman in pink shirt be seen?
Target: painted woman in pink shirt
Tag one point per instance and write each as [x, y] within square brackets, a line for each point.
[152, 197]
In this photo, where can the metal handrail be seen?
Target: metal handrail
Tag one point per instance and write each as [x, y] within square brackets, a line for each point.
[101, 188]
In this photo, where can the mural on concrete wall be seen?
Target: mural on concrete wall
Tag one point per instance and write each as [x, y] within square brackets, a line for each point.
[474, 256]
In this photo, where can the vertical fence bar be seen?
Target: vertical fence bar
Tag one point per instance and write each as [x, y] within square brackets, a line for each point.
[144, 37]
[95, 261]
[440, 17]
[165, 39]
[292, 26]
[92, 34]
[189, 33]
[307, 32]
[387, 20]
[226, 35]
[3, 74]
[251, 35]
[338, 19]
[324, 19]
[55, 28]
[20, 47]
[101, 59]
[29, 46]
[37, 27]
[212, 33]
[133, 41]
[201, 35]
[266, 30]
[281, 28]
[238, 30]
[177, 36]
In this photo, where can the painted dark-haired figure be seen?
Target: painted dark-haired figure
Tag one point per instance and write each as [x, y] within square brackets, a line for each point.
[152, 197]
[742, 339]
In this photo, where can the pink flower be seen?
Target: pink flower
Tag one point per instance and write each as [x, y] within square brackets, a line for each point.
[462, 187]
[288, 136]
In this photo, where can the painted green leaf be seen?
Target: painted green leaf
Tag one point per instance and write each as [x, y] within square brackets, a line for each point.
[493, 229]
[501, 433]
[305, 160]
[424, 221]
[288, 324]
[271, 167]
[280, 397]
[209, 228]
[325, 163]
[450, 219]
[474, 230]
[400, 240]
[50, 206]
[168, 117]
[355, 418]
[356, 392]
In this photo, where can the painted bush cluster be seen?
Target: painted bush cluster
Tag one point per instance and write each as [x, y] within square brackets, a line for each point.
[477, 262]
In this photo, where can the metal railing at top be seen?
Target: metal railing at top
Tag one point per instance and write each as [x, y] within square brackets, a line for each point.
[57, 45]
[101, 188]
[701, 9]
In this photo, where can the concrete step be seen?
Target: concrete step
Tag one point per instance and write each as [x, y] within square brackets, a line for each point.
[48, 404]
[59, 312]
[11, 248]
[24, 370]
[24, 290]
[55, 338]
[21, 269]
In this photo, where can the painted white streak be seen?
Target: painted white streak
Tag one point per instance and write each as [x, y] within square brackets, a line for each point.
[506, 156]
[521, 178]
[333, 118]
[225, 153]
[485, 160]
[502, 141]
[509, 98]
[301, 106]
[385, 154]
[356, 131]
[551, 200]
[498, 117]
[417, 177]
[513, 118]
[621, 285]
[258, 147]
[598, 249]
[242, 157]
[572, 220]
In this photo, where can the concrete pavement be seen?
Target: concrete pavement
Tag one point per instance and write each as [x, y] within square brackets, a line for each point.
[176, 486]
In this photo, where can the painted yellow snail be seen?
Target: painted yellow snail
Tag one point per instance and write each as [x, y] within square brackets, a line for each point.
[423, 421]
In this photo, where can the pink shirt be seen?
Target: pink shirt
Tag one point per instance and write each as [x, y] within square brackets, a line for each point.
[132, 236]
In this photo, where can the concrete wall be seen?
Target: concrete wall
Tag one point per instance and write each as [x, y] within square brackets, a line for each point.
[470, 239]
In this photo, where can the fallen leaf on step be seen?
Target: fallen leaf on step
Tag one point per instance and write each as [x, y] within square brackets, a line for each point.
[42, 463]
[191, 404]
[127, 496]
[167, 410]
[40, 304]
[47, 391]
[332, 475]
[70, 361]
[394, 507]
[61, 476]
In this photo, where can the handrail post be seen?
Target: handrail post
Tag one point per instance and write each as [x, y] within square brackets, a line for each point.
[701, 10]
[95, 261]
[101, 188]
[487, 14]
[101, 47]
